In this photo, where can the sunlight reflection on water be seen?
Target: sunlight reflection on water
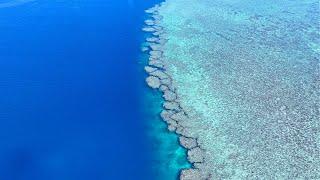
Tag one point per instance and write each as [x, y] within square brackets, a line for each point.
[12, 3]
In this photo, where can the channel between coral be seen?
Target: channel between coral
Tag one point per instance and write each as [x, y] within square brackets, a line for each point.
[173, 114]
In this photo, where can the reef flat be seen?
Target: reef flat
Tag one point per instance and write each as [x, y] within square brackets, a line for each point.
[241, 85]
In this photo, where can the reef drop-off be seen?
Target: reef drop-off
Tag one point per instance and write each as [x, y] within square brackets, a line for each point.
[240, 81]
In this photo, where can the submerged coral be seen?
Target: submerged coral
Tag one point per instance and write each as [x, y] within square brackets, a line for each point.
[241, 84]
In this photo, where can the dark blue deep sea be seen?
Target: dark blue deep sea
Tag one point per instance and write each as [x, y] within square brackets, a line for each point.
[71, 92]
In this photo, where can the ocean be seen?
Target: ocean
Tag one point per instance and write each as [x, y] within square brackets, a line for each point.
[74, 104]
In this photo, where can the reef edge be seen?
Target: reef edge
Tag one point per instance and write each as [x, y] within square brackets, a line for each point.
[173, 114]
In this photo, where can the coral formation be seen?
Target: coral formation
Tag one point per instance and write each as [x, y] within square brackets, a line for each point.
[240, 81]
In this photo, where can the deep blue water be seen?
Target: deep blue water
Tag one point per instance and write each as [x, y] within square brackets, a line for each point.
[70, 91]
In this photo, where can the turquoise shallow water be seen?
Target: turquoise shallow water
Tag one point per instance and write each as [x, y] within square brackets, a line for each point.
[168, 157]
[247, 74]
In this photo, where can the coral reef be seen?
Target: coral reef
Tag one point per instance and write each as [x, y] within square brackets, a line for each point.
[240, 81]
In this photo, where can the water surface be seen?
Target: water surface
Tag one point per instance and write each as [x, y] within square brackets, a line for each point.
[70, 89]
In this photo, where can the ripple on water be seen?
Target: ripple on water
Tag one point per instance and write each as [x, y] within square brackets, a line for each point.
[13, 3]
